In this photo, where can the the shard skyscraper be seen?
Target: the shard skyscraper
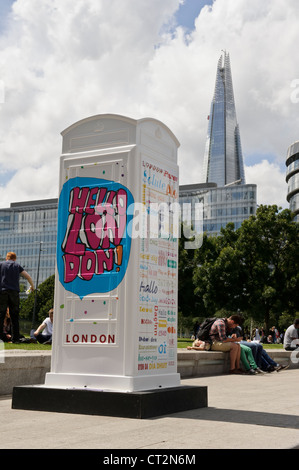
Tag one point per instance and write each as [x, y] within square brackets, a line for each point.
[223, 160]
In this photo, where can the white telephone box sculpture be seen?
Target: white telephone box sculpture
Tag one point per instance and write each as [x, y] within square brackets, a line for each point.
[115, 320]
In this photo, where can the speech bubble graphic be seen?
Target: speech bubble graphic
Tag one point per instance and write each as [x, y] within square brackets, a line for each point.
[93, 239]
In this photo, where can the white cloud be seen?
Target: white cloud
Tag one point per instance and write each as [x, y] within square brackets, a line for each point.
[63, 61]
[270, 181]
[39, 181]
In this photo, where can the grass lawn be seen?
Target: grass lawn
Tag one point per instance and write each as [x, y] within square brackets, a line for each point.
[273, 346]
[29, 346]
[182, 343]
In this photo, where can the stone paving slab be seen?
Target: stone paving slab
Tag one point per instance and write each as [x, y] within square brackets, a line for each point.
[244, 412]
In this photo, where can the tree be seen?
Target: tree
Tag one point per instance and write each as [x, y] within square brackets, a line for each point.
[253, 269]
[218, 269]
[189, 304]
[45, 300]
[269, 244]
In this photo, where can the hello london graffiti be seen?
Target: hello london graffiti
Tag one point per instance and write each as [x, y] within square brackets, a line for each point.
[95, 228]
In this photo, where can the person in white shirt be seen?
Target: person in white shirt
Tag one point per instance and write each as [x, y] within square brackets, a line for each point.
[43, 334]
[257, 336]
[291, 337]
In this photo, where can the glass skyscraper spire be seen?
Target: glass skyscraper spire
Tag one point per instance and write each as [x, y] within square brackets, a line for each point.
[223, 160]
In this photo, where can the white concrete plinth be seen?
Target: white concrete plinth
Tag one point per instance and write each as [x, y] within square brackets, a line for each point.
[113, 383]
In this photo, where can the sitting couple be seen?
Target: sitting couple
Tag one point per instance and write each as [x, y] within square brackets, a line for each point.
[225, 336]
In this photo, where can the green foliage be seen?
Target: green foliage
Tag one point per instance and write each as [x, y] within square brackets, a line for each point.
[286, 319]
[254, 269]
[45, 301]
[187, 300]
[28, 346]
[186, 324]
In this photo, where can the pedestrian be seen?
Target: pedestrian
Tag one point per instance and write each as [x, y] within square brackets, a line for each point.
[272, 335]
[257, 336]
[10, 272]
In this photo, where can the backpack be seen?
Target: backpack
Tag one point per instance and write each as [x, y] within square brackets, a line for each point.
[204, 329]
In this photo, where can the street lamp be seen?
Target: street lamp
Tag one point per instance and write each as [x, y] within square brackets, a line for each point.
[36, 285]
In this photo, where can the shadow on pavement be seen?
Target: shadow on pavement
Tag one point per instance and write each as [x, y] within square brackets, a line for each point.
[257, 418]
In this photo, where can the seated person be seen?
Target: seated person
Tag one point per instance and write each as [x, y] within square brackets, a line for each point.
[263, 361]
[7, 327]
[291, 337]
[44, 332]
[269, 365]
[219, 333]
[248, 361]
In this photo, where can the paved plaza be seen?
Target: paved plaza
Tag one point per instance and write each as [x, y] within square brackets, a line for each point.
[244, 412]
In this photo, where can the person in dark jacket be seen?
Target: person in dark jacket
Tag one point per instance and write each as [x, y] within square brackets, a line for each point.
[10, 272]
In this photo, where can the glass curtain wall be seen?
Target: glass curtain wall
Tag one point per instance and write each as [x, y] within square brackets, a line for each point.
[220, 205]
[27, 228]
[223, 160]
[292, 178]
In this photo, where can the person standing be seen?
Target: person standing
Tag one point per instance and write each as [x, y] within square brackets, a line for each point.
[257, 336]
[10, 272]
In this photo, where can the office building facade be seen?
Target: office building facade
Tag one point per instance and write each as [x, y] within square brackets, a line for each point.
[30, 230]
[220, 205]
[292, 178]
[223, 160]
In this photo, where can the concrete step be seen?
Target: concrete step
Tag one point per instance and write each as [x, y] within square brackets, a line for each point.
[23, 367]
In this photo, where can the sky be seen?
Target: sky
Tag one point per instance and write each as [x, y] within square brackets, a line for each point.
[64, 60]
